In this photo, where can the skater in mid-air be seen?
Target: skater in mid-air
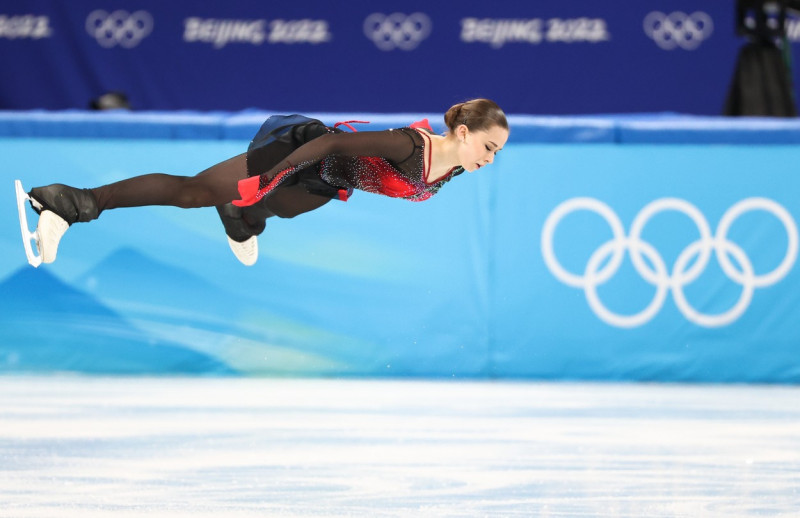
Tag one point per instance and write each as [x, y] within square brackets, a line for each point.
[293, 165]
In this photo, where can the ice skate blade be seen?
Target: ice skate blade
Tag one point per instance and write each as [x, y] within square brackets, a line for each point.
[28, 237]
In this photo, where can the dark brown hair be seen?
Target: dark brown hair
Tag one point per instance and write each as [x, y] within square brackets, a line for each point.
[477, 115]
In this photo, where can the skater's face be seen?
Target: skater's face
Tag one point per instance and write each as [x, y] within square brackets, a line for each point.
[478, 148]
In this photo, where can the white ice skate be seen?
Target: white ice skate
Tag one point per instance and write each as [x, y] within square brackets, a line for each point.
[246, 251]
[47, 234]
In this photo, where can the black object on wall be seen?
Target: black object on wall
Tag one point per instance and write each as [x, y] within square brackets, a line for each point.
[762, 80]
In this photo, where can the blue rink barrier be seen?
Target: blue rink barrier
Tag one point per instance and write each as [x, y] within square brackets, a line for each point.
[665, 128]
[650, 247]
[238, 126]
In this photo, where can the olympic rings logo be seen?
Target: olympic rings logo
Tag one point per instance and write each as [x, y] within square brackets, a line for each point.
[119, 28]
[678, 29]
[397, 30]
[605, 261]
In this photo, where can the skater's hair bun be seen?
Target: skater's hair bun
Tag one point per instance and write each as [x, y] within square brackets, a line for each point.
[477, 115]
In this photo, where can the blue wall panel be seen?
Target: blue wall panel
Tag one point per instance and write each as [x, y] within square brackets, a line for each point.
[566, 57]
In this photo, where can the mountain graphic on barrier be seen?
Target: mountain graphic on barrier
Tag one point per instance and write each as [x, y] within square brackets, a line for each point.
[133, 281]
[50, 326]
[255, 331]
[131, 313]
[136, 284]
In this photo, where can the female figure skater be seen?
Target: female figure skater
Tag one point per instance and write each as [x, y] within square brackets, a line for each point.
[293, 165]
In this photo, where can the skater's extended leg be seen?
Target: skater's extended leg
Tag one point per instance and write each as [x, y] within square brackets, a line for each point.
[216, 185]
[60, 205]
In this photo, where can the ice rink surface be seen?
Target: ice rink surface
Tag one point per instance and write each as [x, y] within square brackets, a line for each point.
[90, 446]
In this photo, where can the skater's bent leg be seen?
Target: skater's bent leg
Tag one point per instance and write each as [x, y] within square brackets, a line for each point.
[293, 200]
[216, 185]
[242, 223]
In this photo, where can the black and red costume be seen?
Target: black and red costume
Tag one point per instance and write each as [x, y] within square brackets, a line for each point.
[291, 150]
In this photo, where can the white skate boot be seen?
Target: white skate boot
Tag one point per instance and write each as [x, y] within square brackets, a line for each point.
[246, 251]
[242, 227]
[59, 206]
[50, 229]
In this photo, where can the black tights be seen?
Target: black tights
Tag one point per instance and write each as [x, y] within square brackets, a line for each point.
[213, 187]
